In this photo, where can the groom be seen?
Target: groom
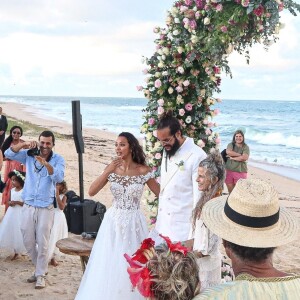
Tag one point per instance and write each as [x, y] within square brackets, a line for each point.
[179, 170]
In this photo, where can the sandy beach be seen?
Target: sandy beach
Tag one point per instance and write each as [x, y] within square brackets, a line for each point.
[63, 281]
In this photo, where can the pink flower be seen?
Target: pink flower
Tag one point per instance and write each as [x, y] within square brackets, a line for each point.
[188, 2]
[210, 124]
[157, 83]
[179, 89]
[183, 8]
[219, 100]
[186, 83]
[151, 121]
[145, 71]
[245, 3]
[207, 131]
[218, 140]
[193, 24]
[259, 10]
[181, 112]
[281, 6]
[188, 106]
[139, 88]
[160, 110]
[160, 102]
[219, 7]
[223, 28]
[217, 70]
[216, 111]
[158, 156]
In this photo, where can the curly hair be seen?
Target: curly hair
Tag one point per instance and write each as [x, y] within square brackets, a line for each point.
[215, 167]
[249, 253]
[175, 276]
[137, 152]
[19, 176]
[6, 144]
[64, 186]
[167, 120]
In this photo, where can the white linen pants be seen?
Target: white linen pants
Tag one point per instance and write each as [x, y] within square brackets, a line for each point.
[36, 227]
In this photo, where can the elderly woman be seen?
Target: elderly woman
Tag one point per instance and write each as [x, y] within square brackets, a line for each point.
[211, 174]
[251, 224]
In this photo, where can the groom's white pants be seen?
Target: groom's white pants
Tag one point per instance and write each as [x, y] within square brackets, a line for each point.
[36, 227]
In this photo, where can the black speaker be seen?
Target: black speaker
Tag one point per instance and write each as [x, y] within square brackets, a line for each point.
[77, 126]
[86, 216]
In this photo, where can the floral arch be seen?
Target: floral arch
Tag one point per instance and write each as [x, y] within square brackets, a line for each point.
[191, 52]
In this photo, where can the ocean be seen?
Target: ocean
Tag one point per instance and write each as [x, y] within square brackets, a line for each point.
[272, 128]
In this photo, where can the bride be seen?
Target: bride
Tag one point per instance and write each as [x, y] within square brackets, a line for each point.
[124, 226]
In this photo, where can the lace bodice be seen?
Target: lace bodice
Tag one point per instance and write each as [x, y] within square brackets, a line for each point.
[128, 190]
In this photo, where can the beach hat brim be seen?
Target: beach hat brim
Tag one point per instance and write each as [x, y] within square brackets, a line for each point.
[283, 232]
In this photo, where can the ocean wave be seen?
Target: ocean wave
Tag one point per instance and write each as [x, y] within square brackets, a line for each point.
[274, 138]
[131, 107]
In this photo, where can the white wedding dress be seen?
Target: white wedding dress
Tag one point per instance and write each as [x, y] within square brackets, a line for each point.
[123, 229]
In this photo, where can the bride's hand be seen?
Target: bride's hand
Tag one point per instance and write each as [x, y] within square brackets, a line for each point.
[116, 162]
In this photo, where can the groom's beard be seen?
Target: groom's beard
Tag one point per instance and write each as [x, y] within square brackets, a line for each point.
[173, 149]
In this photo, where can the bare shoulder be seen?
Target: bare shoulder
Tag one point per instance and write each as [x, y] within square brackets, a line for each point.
[143, 170]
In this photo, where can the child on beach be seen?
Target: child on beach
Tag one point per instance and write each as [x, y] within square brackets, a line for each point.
[60, 229]
[11, 237]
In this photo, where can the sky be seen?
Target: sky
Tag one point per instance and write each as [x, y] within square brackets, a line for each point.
[94, 48]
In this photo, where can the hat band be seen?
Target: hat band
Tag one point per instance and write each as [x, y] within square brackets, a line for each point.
[254, 222]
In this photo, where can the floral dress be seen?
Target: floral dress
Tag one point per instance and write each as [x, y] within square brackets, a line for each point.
[123, 229]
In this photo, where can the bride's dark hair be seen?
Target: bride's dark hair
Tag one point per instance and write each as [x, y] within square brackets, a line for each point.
[137, 152]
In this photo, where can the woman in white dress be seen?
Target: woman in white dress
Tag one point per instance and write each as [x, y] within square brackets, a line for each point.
[211, 175]
[11, 237]
[124, 226]
[60, 228]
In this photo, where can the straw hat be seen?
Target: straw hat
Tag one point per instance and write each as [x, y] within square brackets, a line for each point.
[251, 216]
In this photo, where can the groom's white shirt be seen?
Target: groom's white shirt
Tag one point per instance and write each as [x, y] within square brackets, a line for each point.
[179, 191]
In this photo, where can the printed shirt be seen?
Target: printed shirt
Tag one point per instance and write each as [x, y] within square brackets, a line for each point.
[39, 187]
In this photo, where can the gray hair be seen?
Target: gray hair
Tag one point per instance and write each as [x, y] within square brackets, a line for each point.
[215, 167]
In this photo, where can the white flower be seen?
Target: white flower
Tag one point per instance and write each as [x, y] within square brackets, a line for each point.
[180, 50]
[229, 49]
[166, 50]
[180, 70]
[176, 32]
[164, 73]
[206, 21]
[188, 120]
[170, 90]
[161, 64]
[177, 20]
[194, 39]
[186, 83]
[149, 135]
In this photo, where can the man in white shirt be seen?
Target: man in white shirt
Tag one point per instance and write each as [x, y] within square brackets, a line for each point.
[179, 190]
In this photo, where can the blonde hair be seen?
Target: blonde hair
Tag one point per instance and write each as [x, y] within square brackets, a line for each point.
[175, 275]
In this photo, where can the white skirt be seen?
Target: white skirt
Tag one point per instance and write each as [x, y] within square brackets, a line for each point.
[59, 231]
[11, 237]
[106, 277]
